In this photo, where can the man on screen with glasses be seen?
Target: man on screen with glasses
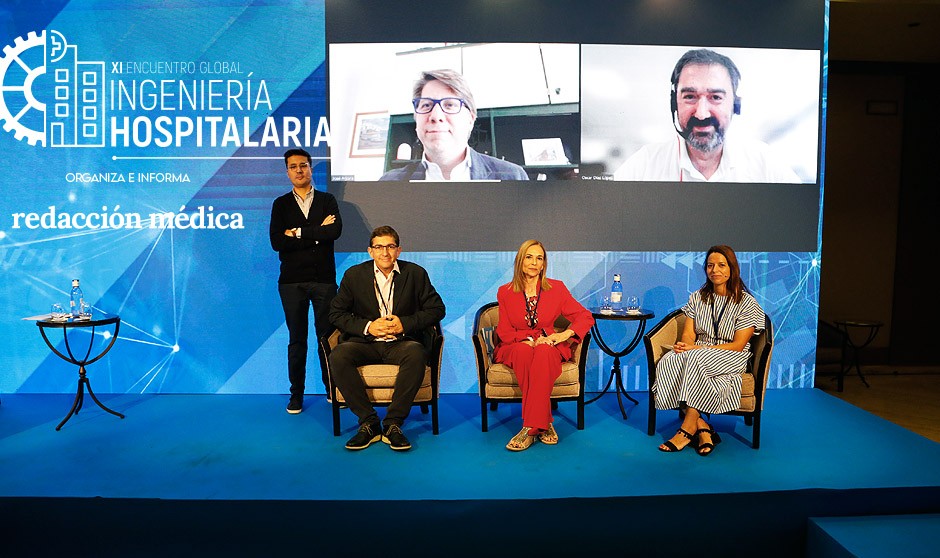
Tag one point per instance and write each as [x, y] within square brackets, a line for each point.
[304, 225]
[385, 310]
[444, 116]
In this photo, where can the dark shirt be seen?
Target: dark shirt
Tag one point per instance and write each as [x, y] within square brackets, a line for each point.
[310, 257]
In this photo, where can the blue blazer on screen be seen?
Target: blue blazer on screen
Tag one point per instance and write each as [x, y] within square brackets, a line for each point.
[482, 167]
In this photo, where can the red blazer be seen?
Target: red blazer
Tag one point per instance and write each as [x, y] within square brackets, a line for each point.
[557, 301]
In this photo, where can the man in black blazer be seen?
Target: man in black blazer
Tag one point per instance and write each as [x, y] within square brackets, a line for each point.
[385, 310]
[304, 225]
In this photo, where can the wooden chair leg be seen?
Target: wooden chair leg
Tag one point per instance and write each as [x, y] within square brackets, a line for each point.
[554, 405]
[483, 415]
[424, 408]
[435, 425]
[580, 403]
[493, 405]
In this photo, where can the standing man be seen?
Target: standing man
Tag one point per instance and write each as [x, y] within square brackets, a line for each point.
[444, 116]
[304, 225]
[703, 100]
[385, 310]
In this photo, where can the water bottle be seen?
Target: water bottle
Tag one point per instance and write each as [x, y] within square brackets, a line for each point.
[616, 294]
[76, 299]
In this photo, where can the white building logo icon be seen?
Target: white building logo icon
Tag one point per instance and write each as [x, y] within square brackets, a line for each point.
[49, 97]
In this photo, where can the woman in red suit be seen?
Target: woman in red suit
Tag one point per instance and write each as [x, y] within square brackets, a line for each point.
[528, 343]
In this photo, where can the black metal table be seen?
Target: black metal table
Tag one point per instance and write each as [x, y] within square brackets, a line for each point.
[616, 374]
[866, 332]
[81, 361]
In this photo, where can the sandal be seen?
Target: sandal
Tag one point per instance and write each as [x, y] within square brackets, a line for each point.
[706, 448]
[670, 447]
[549, 436]
[521, 441]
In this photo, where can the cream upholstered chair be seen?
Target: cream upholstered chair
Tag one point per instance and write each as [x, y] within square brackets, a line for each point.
[498, 383]
[380, 380]
[667, 332]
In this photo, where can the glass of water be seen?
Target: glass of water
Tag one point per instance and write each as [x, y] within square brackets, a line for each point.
[85, 310]
[57, 312]
[632, 303]
[605, 303]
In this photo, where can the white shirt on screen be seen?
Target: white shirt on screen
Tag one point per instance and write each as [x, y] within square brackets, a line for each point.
[460, 173]
[741, 161]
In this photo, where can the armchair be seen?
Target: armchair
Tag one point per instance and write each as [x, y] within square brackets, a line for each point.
[380, 380]
[667, 332]
[498, 383]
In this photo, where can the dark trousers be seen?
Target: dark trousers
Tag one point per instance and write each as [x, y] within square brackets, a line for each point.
[411, 359]
[296, 299]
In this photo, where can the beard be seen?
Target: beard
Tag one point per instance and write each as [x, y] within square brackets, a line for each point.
[704, 142]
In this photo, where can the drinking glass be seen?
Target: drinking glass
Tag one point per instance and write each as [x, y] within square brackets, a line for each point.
[57, 312]
[85, 310]
[633, 303]
[605, 303]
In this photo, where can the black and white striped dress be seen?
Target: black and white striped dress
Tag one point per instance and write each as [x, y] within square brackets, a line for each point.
[708, 379]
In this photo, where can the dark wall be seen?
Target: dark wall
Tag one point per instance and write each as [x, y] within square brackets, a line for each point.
[919, 200]
[880, 197]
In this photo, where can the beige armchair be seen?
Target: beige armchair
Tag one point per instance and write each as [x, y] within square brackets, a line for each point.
[498, 383]
[380, 381]
[667, 332]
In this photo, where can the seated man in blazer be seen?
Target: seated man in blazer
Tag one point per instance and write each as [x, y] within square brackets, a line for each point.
[385, 309]
[445, 113]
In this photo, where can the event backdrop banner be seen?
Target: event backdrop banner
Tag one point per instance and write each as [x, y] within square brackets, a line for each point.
[142, 148]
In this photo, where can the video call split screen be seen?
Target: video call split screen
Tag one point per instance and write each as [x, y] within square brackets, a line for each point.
[594, 104]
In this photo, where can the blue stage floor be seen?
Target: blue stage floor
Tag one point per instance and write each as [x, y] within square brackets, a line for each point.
[241, 448]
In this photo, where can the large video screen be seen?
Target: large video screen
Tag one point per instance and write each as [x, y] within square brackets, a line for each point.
[143, 147]
[582, 100]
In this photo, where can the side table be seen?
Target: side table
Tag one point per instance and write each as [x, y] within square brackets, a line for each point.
[81, 361]
[865, 332]
[615, 372]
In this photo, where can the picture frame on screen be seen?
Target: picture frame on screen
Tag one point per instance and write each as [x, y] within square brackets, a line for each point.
[509, 92]
[370, 134]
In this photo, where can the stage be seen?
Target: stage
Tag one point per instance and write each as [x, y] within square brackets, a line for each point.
[237, 474]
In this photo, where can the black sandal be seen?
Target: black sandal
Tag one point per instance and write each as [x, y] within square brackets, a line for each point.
[706, 448]
[670, 447]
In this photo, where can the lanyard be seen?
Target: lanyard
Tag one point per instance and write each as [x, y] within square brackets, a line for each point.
[716, 321]
[391, 287]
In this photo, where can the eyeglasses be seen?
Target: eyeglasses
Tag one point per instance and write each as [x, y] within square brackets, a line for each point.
[300, 167]
[450, 105]
[382, 247]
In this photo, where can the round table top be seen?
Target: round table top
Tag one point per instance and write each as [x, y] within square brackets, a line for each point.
[641, 314]
[96, 319]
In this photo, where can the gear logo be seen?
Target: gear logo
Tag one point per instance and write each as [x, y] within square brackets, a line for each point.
[48, 96]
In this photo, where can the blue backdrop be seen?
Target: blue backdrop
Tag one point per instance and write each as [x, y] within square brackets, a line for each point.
[142, 147]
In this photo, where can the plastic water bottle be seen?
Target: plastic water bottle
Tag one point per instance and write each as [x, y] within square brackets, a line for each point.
[76, 299]
[616, 294]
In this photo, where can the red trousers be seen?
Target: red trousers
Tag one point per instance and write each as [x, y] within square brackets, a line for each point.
[536, 369]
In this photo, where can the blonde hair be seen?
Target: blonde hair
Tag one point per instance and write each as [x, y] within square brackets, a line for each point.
[518, 281]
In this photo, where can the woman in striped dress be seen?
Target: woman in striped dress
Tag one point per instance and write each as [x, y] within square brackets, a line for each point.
[702, 373]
